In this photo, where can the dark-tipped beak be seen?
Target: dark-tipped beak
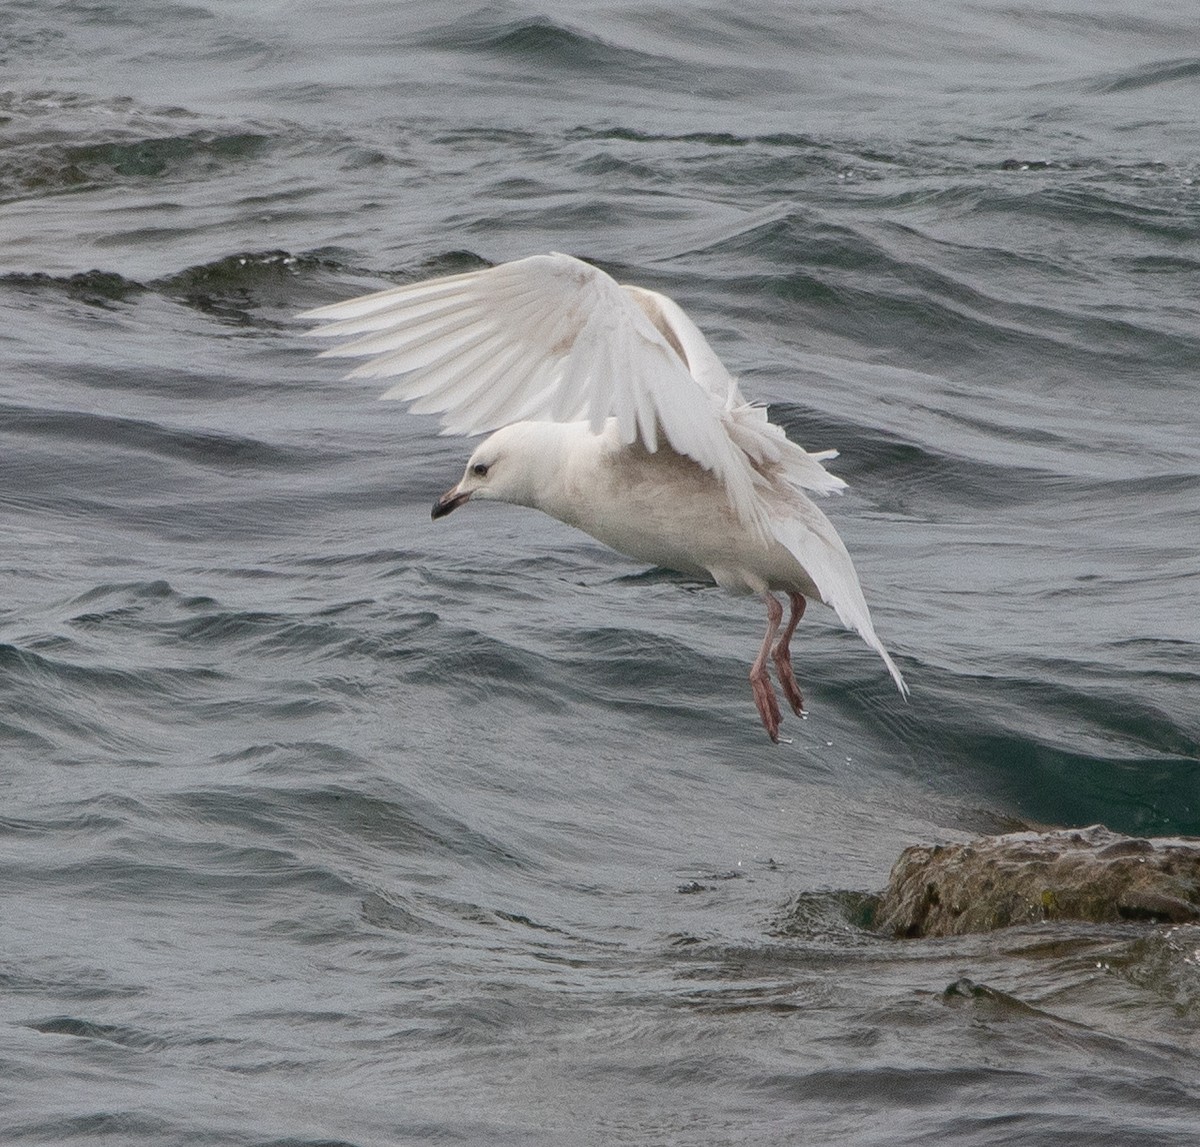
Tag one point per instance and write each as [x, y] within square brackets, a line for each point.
[448, 502]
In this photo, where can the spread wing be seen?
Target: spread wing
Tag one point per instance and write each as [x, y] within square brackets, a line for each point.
[556, 339]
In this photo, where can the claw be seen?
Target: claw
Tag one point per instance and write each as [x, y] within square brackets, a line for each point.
[768, 705]
[787, 682]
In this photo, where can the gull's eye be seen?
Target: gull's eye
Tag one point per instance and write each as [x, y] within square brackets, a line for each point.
[480, 468]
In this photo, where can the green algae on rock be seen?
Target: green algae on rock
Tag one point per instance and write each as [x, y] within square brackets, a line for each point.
[1025, 877]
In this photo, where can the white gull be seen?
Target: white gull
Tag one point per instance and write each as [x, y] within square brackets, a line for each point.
[612, 413]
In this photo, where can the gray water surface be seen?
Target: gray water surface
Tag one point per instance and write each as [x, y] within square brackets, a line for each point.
[324, 823]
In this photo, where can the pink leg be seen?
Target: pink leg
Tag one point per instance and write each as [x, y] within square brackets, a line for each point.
[764, 695]
[783, 657]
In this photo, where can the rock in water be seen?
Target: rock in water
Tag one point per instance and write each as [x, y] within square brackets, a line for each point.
[1026, 877]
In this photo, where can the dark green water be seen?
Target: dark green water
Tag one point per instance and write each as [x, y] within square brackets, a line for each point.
[324, 823]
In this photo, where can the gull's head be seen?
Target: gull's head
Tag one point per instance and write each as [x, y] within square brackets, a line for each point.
[515, 464]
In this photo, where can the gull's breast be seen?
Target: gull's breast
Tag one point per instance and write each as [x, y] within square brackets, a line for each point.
[664, 509]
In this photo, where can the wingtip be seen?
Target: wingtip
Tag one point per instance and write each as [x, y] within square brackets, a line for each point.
[872, 639]
[901, 684]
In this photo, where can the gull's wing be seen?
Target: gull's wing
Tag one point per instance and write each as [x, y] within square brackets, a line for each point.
[555, 339]
[687, 342]
[810, 536]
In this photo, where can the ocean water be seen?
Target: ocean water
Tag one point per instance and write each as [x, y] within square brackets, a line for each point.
[323, 823]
